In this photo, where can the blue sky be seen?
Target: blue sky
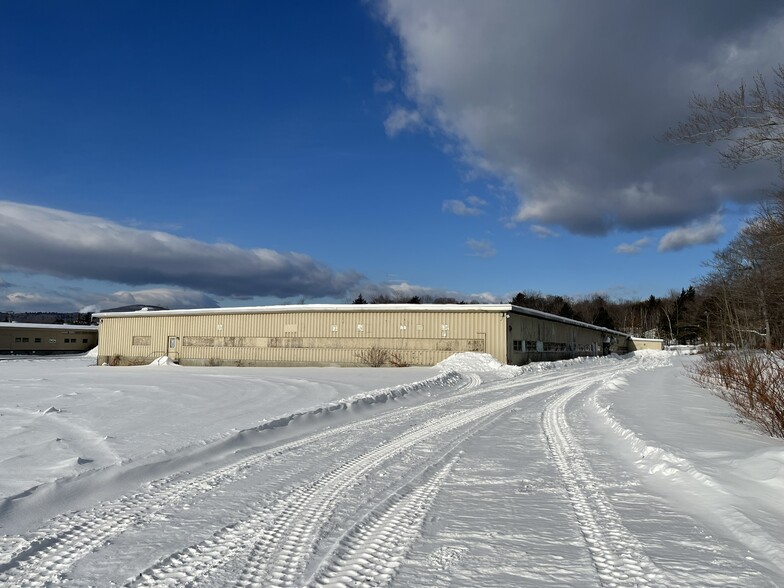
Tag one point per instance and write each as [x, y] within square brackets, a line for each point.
[206, 153]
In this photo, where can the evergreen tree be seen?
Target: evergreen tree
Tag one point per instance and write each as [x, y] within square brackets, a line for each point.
[603, 319]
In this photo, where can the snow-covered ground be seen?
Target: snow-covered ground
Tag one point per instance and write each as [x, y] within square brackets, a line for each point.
[612, 472]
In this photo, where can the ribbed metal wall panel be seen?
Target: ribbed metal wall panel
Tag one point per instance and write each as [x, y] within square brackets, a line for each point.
[52, 338]
[308, 337]
[427, 337]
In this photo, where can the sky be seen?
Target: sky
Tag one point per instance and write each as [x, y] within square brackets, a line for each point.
[199, 154]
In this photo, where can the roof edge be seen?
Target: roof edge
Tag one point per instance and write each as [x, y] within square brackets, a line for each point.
[48, 326]
[506, 308]
[312, 308]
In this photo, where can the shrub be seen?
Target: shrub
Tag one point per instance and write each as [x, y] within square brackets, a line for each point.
[373, 357]
[397, 360]
[752, 383]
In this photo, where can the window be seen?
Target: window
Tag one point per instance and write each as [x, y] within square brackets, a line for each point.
[550, 346]
[139, 340]
[25, 339]
[84, 340]
[517, 345]
[37, 340]
[52, 340]
[18, 340]
[530, 346]
[197, 341]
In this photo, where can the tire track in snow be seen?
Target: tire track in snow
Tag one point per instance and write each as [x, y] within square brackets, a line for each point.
[371, 552]
[266, 534]
[277, 540]
[68, 538]
[617, 554]
[283, 537]
[48, 553]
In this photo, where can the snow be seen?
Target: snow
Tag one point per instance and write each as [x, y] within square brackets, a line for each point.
[617, 471]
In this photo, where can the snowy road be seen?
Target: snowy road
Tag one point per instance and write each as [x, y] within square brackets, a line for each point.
[479, 477]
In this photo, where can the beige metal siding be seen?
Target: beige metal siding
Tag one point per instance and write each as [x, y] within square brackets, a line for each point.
[336, 335]
[21, 338]
[636, 344]
[546, 339]
[303, 338]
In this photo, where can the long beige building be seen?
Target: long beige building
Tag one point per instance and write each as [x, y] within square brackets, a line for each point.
[348, 335]
[42, 339]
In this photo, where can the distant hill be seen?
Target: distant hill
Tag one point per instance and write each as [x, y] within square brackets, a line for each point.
[67, 318]
[134, 308]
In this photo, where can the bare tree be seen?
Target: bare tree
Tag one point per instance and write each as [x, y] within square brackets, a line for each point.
[746, 283]
[750, 119]
[744, 288]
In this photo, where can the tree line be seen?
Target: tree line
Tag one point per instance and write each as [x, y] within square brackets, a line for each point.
[674, 317]
[743, 292]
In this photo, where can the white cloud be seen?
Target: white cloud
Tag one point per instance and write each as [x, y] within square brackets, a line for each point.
[69, 299]
[35, 239]
[481, 248]
[695, 234]
[166, 297]
[400, 120]
[472, 206]
[632, 248]
[543, 232]
[517, 91]
[404, 290]
[44, 302]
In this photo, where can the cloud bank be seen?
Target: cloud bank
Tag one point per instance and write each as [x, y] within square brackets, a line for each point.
[563, 101]
[70, 299]
[701, 233]
[404, 291]
[54, 242]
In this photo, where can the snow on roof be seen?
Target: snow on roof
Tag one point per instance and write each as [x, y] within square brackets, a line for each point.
[48, 326]
[507, 308]
[317, 308]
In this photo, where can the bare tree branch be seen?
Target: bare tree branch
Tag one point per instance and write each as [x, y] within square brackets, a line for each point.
[749, 120]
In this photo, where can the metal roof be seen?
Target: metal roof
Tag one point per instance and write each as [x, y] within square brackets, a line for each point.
[507, 308]
[48, 326]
